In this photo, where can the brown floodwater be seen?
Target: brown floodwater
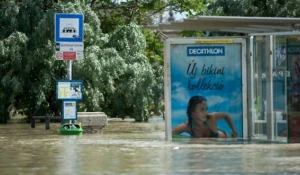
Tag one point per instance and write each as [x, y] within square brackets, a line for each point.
[126, 147]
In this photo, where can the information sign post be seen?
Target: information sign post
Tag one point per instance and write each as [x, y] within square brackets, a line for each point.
[69, 46]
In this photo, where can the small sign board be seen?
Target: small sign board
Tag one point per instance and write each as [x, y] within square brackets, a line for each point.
[69, 37]
[69, 55]
[69, 110]
[69, 89]
[69, 47]
[68, 27]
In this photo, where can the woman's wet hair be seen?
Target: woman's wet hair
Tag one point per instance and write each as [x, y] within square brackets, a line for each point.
[192, 105]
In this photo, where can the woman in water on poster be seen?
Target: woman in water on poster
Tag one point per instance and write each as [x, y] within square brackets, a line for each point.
[200, 123]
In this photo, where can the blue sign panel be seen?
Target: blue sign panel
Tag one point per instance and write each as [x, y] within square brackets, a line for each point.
[68, 28]
[69, 89]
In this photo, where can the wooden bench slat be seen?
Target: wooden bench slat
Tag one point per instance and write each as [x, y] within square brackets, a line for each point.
[90, 113]
[44, 117]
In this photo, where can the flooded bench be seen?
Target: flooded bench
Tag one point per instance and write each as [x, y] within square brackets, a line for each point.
[90, 121]
[47, 119]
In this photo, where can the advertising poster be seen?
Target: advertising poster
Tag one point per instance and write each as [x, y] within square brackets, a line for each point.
[293, 81]
[293, 55]
[69, 89]
[69, 110]
[212, 70]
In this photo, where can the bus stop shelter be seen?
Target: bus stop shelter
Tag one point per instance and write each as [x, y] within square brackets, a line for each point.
[272, 70]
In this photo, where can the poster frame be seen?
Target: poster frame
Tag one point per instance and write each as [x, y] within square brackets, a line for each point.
[201, 41]
[69, 81]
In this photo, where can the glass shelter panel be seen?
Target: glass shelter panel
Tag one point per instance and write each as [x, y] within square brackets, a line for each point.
[282, 112]
[293, 89]
[279, 88]
[259, 66]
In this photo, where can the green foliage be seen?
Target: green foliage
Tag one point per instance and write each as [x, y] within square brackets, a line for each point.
[257, 105]
[113, 14]
[192, 7]
[191, 34]
[154, 49]
[12, 50]
[267, 8]
[261, 8]
[128, 40]
[134, 86]
[118, 77]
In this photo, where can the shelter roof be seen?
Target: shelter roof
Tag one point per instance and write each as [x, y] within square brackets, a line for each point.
[238, 24]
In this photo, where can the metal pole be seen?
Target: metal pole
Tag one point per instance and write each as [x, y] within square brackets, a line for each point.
[69, 75]
[47, 122]
[251, 122]
[69, 64]
[269, 87]
[167, 90]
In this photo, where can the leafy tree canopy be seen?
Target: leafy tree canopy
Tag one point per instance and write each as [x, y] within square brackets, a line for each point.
[118, 77]
[266, 8]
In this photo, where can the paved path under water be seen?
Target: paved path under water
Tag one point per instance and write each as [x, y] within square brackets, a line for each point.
[132, 148]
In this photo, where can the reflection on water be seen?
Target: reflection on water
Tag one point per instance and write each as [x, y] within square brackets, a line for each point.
[126, 147]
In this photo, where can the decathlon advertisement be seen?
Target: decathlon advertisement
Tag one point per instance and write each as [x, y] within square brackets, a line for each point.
[212, 69]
